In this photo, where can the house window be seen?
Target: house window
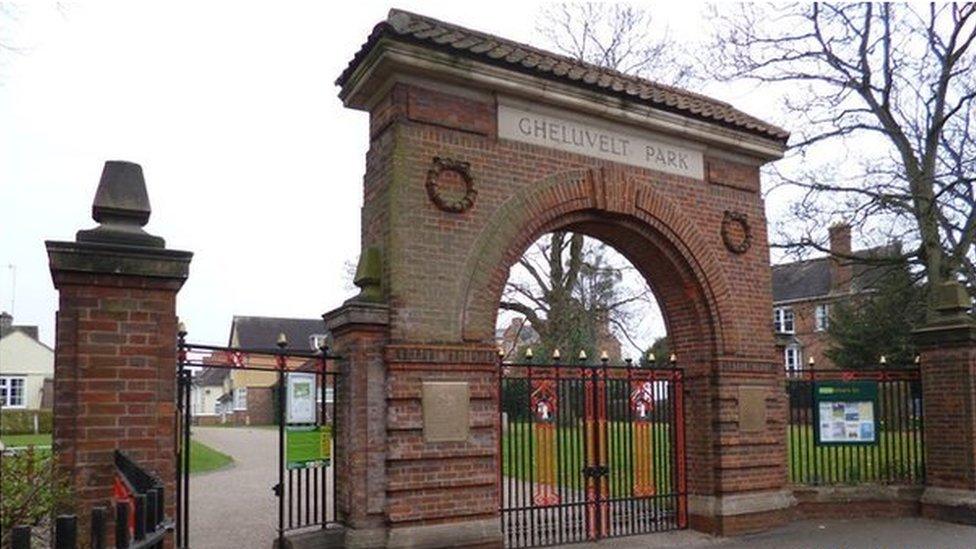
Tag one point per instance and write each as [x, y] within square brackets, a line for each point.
[792, 357]
[822, 313]
[316, 341]
[783, 320]
[240, 398]
[12, 392]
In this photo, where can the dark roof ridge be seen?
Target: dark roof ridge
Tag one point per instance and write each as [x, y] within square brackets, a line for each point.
[420, 28]
[887, 248]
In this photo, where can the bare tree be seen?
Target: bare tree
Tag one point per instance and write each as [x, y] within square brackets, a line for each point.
[615, 36]
[570, 288]
[881, 100]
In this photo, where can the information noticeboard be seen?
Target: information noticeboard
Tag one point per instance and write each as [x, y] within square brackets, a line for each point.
[309, 446]
[846, 412]
[301, 397]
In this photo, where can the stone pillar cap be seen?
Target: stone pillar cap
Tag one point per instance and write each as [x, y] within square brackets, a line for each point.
[121, 207]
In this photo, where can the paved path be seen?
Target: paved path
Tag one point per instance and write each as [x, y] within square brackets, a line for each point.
[234, 507]
[905, 533]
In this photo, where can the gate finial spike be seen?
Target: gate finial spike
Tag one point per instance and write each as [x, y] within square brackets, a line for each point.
[604, 356]
[651, 358]
[810, 361]
[555, 354]
[528, 353]
[282, 340]
[673, 358]
[883, 360]
[181, 329]
[582, 355]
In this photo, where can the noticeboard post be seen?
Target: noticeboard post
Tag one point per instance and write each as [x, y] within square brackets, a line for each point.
[846, 412]
[307, 443]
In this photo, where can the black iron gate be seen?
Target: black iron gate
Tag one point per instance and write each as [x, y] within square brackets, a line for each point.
[305, 486]
[590, 451]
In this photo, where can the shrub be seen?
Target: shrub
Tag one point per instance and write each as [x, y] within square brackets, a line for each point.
[33, 491]
[21, 422]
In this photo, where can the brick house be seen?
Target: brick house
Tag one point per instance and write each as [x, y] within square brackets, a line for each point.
[246, 397]
[805, 291]
[519, 335]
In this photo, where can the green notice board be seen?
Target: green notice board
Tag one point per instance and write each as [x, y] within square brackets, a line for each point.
[308, 446]
[846, 412]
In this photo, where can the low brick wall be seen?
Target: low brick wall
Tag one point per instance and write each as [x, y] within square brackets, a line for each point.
[848, 502]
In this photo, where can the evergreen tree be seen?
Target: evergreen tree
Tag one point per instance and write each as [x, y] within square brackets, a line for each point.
[877, 324]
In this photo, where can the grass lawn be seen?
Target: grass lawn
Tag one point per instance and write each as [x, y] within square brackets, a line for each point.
[896, 458]
[520, 460]
[202, 457]
[13, 441]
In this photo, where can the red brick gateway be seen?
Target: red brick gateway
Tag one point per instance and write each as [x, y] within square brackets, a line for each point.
[478, 146]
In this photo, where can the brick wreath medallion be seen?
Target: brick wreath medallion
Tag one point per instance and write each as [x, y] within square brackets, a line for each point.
[736, 233]
[439, 171]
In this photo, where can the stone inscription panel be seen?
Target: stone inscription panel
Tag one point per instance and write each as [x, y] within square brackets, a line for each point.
[446, 410]
[752, 409]
[592, 137]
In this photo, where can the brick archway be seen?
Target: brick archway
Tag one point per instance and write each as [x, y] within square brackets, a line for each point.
[474, 155]
[623, 210]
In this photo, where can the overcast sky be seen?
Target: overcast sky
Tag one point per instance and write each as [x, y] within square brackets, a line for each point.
[250, 159]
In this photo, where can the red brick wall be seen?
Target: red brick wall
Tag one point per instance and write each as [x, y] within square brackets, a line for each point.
[114, 381]
[442, 481]
[949, 397]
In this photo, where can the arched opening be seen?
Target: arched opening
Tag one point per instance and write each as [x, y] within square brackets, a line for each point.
[573, 292]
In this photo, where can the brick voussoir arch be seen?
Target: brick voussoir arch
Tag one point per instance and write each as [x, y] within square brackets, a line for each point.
[580, 196]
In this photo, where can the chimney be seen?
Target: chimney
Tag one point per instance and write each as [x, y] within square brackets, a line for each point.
[6, 323]
[840, 250]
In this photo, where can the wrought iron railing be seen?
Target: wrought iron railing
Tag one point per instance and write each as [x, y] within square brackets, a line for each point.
[893, 455]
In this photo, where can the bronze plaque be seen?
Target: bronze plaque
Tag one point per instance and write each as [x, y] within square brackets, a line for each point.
[447, 408]
[752, 409]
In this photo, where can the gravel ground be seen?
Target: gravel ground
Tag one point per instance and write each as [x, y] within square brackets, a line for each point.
[234, 507]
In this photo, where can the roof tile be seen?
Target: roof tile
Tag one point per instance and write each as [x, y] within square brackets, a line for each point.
[418, 28]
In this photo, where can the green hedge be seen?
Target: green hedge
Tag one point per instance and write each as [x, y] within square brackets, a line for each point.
[21, 422]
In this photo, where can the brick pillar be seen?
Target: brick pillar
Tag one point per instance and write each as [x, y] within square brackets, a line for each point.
[115, 355]
[735, 420]
[360, 331]
[948, 362]
[396, 486]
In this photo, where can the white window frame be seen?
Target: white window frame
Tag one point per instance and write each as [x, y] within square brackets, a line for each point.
[781, 317]
[240, 398]
[7, 391]
[315, 341]
[329, 395]
[821, 315]
[793, 349]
